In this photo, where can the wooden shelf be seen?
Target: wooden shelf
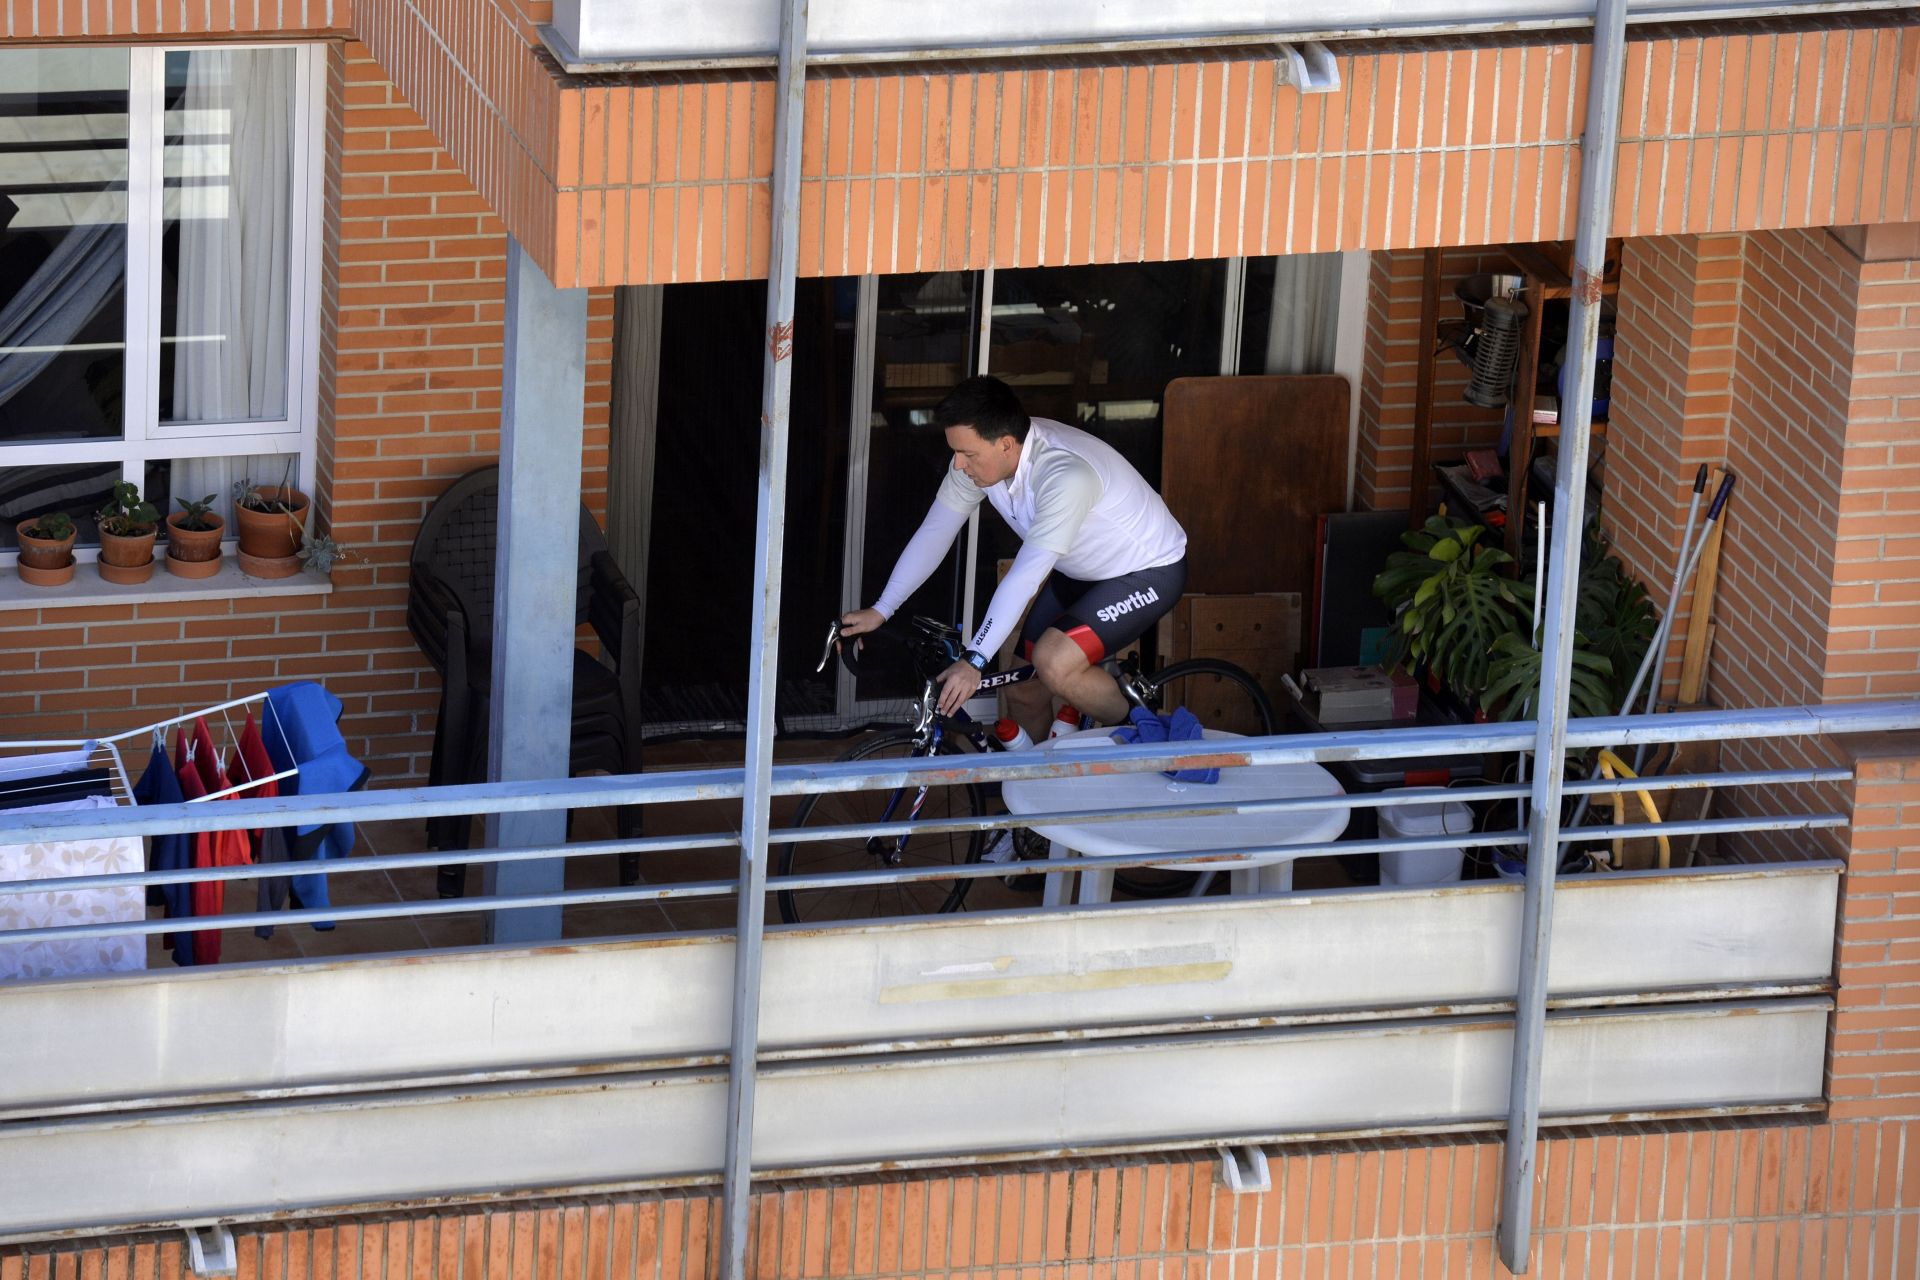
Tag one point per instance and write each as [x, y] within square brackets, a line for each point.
[1551, 430]
[1545, 271]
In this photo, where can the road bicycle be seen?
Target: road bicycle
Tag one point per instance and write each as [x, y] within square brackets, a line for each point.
[933, 646]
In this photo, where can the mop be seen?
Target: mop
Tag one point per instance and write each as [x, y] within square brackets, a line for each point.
[1689, 561]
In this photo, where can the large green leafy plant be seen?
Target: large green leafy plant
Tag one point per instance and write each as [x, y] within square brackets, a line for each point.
[1451, 603]
[1457, 615]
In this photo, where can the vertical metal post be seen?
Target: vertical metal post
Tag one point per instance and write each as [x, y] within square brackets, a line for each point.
[853, 563]
[1597, 156]
[1233, 315]
[970, 554]
[1420, 483]
[530, 717]
[770, 529]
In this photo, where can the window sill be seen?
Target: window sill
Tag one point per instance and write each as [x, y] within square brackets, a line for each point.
[89, 588]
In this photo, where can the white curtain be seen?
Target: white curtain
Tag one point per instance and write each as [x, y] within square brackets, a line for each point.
[230, 314]
[1305, 316]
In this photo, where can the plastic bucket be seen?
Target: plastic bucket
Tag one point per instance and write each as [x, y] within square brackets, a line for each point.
[1413, 821]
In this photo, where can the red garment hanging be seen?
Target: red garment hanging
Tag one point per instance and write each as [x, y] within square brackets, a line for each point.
[249, 761]
[206, 897]
[222, 848]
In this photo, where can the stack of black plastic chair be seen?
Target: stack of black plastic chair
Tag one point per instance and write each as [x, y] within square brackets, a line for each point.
[450, 613]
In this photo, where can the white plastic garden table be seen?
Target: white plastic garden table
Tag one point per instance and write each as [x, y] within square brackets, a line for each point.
[1225, 832]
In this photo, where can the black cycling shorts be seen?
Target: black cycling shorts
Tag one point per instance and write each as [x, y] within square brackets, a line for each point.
[1103, 617]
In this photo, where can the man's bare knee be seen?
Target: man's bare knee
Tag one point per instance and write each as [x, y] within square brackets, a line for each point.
[1057, 660]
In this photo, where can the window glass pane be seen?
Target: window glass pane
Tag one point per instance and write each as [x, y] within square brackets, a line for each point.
[227, 217]
[1095, 347]
[196, 478]
[63, 243]
[925, 334]
[1292, 315]
[79, 489]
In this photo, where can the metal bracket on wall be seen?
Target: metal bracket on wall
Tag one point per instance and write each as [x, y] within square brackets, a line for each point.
[1244, 1169]
[1309, 67]
[210, 1251]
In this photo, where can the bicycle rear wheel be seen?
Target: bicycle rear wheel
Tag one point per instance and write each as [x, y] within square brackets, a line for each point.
[1223, 696]
[927, 849]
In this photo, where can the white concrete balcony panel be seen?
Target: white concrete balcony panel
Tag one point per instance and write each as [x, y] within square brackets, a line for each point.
[331, 1027]
[717, 32]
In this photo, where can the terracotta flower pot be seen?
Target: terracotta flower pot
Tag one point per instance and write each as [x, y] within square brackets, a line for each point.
[44, 562]
[275, 534]
[193, 553]
[126, 558]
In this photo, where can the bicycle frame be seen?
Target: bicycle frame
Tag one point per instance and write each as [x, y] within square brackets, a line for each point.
[927, 721]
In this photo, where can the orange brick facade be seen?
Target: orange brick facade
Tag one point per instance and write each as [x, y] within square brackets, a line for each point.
[1749, 333]
[412, 333]
[1138, 158]
[1835, 1197]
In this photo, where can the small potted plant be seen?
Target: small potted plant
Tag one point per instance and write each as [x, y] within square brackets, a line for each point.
[271, 524]
[46, 549]
[193, 539]
[128, 525]
[320, 553]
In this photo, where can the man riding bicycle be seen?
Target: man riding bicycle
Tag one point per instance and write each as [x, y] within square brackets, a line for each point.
[1101, 558]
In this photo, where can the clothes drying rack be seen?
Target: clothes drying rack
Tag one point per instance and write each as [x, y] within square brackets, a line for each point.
[51, 757]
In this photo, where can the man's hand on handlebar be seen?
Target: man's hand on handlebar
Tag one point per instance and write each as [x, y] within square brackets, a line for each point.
[957, 683]
[859, 622]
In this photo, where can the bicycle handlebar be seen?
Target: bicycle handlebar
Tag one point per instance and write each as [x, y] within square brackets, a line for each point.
[847, 647]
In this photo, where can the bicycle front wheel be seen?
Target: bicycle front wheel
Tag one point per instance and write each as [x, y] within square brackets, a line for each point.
[920, 850]
[1222, 696]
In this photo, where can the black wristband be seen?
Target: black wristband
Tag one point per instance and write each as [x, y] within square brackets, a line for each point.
[975, 659]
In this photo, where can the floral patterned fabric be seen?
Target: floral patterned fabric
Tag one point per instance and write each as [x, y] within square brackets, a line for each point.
[73, 956]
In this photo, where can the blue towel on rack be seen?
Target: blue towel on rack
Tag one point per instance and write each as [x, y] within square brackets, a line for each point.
[1181, 726]
[304, 734]
[161, 785]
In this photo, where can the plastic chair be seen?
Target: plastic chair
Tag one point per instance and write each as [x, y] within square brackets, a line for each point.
[450, 595]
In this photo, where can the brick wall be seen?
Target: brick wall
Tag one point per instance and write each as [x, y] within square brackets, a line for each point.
[1391, 369]
[1874, 1070]
[1788, 444]
[1793, 356]
[122, 19]
[1839, 1201]
[1874, 628]
[1194, 153]
[1675, 325]
[413, 335]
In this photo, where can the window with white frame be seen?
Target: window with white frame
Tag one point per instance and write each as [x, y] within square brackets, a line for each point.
[159, 269]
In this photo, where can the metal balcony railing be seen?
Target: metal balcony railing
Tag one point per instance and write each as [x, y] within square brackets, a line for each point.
[937, 1040]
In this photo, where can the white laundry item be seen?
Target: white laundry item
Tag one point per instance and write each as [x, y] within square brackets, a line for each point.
[43, 764]
[71, 957]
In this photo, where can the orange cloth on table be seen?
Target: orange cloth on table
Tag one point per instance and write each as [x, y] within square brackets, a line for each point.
[202, 776]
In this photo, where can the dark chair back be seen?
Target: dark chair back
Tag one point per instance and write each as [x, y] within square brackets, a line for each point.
[452, 569]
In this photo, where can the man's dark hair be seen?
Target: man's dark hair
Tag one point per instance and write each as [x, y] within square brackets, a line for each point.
[986, 404]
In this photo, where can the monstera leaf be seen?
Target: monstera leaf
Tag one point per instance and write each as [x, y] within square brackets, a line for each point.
[1513, 684]
[1615, 620]
[1452, 605]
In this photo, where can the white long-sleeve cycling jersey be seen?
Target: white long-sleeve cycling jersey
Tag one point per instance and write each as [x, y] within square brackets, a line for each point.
[1078, 507]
